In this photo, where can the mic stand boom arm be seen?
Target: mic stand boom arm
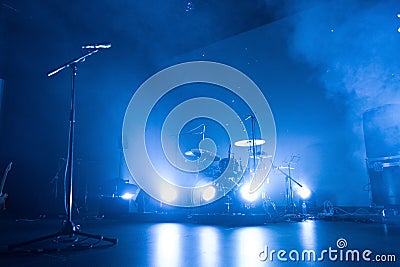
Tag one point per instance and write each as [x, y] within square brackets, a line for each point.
[72, 62]
[287, 175]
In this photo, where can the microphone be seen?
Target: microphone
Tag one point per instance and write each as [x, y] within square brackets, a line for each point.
[97, 46]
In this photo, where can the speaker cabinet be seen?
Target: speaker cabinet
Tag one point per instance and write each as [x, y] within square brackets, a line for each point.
[382, 142]
[384, 177]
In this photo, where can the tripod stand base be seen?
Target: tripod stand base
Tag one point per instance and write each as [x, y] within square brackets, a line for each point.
[68, 229]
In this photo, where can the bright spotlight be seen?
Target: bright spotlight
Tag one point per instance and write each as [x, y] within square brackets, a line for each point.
[169, 195]
[246, 195]
[209, 193]
[304, 192]
[127, 196]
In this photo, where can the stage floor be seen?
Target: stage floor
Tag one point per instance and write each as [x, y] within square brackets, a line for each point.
[335, 243]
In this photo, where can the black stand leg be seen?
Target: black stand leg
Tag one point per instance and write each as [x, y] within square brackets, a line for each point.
[69, 229]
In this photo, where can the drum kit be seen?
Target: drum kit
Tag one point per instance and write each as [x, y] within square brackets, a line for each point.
[237, 176]
[233, 169]
[229, 164]
[230, 167]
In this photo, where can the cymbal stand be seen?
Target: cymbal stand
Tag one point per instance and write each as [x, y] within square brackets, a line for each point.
[69, 229]
[228, 204]
[289, 190]
[54, 181]
[253, 140]
[290, 206]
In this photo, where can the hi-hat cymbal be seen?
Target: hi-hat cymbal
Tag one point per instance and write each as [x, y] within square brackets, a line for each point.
[249, 142]
[285, 168]
[196, 152]
[262, 155]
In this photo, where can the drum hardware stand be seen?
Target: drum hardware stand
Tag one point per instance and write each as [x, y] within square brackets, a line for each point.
[54, 181]
[289, 190]
[267, 203]
[253, 144]
[253, 139]
[202, 132]
[228, 204]
[290, 205]
[69, 229]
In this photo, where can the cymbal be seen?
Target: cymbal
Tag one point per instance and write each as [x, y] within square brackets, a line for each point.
[190, 153]
[196, 152]
[249, 142]
[285, 168]
[261, 155]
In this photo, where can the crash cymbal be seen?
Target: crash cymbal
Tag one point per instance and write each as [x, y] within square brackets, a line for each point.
[196, 152]
[249, 142]
[261, 155]
[190, 153]
[285, 168]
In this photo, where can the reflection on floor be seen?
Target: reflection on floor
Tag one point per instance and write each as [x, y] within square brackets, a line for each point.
[347, 239]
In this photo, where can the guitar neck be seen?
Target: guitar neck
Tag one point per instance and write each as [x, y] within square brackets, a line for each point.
[3, 181]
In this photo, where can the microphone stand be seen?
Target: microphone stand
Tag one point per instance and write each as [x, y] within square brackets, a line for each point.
[69, 228]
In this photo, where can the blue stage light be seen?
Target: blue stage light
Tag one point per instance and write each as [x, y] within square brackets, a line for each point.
[209, 193]
[304, 192]
[246, 195]
[169, 195]
[128, 196]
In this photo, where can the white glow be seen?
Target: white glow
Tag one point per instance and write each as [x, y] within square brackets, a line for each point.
[307, 234]
[304, 192]
[169, 195]
[210, 246]
[127, 196]
[246, 195]
[167, 250]
[209, 193]
[247, 244]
